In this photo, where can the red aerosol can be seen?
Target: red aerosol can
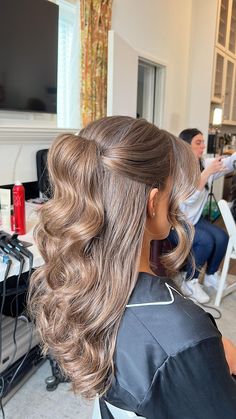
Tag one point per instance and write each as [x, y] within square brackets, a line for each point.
[19, 207]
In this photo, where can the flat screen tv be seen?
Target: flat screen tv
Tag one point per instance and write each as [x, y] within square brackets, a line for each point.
[28, 55]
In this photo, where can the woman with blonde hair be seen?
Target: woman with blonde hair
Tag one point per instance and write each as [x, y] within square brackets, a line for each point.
[116, 329]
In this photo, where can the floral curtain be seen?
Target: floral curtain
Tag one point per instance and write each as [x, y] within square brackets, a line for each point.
[95, 16]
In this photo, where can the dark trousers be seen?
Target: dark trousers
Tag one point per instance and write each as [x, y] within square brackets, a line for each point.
[209, 246]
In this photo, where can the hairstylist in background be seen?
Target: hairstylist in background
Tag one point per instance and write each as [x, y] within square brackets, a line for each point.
[210, 241]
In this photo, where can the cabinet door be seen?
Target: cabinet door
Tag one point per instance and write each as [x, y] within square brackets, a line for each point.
[228, 90]
[232, 29]
[233, 116]
[223, 21]
[218, 84]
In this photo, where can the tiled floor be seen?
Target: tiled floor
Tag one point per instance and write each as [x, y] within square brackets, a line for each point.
[32, 401]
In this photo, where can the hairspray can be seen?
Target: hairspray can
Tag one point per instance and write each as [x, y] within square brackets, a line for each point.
[19, 207]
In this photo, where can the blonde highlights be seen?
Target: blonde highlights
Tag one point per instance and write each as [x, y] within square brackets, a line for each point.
[90, 236]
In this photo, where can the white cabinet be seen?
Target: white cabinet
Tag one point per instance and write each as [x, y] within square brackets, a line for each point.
[228, 93]
[223, 23]
[233, 115]
[219, 76]
[232, 30]
[226, 34]
[224, 85]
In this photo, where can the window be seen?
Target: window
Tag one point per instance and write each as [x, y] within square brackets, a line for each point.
[68, 65]
[150, 97]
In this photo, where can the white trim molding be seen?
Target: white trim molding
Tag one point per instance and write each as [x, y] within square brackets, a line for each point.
[32, 136]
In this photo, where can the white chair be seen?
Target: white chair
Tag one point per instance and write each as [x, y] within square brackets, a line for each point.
[230, 252]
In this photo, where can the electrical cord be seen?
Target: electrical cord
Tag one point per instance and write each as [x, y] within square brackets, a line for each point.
[4, 258]
[4, 392]
[218, 314]
[1, 394]
[16, 160]
[17, 311]
[9, 249]
[31, 262]
[17, 250]
[30, 325]
[214, 309]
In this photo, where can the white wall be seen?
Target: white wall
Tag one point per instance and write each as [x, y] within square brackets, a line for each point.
[202, 40]
[178, 34]
[20, 162]
[160, 30]
[122, 80]
[18, 147]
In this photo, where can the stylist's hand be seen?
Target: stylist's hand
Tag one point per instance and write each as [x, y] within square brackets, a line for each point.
[215, 166]
[230, 354]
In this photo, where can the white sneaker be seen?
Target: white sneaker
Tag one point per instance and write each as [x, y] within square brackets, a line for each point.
[194, 290]
[213, 281]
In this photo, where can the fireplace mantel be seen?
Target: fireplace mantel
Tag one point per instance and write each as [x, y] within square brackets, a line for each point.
[29, 135]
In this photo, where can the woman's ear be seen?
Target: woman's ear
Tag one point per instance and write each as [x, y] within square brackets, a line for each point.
[152, 203]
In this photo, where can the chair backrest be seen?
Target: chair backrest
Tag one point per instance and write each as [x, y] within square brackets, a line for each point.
[42, 173]
[228, 220]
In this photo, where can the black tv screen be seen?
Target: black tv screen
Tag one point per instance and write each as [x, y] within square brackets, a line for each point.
[28, 55]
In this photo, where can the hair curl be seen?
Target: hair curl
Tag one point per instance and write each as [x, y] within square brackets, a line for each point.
[90, 236]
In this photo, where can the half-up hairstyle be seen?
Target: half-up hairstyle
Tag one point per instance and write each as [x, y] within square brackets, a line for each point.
[90, 236]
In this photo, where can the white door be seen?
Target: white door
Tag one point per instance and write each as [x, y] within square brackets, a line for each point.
[122, 77]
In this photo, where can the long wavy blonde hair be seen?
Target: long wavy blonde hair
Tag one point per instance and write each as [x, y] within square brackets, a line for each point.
[90, 236]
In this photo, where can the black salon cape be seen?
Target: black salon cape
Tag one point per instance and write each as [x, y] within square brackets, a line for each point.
[169, 359]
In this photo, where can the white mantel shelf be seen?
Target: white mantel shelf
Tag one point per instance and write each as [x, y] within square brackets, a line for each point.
[30, 135]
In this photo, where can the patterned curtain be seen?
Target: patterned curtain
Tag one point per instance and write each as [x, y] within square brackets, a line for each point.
[95, 18]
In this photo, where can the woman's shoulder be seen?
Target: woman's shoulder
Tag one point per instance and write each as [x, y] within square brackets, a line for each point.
[159, 328]
[159, 310]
